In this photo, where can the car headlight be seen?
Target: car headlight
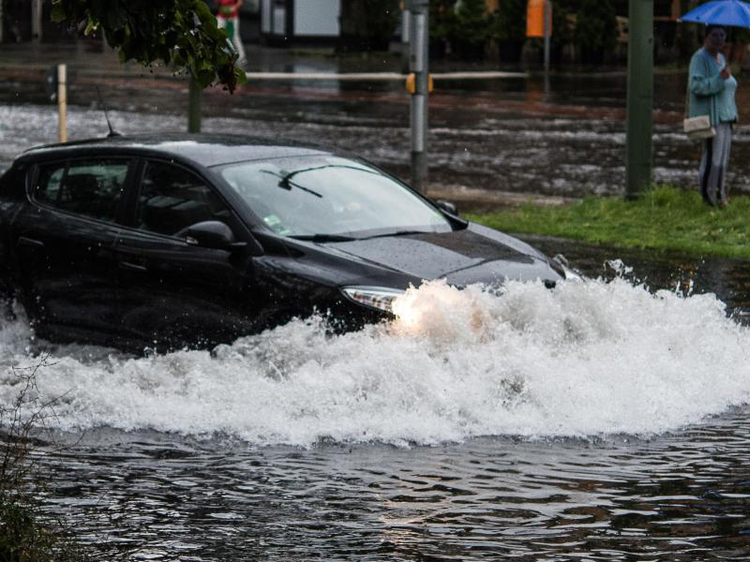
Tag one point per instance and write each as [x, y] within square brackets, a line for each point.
[380, 298]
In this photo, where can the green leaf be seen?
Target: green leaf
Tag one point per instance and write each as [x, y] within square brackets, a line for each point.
[181, 32]
[91, 27]
[58, 14]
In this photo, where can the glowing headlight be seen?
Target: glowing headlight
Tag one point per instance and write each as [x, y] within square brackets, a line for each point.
[380, 298]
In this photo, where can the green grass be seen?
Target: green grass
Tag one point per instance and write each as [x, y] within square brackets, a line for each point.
[664, 219]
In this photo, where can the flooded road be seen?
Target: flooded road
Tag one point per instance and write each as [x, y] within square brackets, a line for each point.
[603, 420]
[682, 496]
[563, 137]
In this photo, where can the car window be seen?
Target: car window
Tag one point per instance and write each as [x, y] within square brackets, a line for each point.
[329, 195]
[92, 187]
[172, 199]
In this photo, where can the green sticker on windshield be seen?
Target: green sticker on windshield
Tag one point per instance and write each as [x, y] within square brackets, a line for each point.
[274, 223]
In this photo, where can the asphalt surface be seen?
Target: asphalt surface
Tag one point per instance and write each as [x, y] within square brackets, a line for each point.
[493, 141]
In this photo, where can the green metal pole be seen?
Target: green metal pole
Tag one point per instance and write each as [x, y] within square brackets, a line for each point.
[640, 97]
[194, 108]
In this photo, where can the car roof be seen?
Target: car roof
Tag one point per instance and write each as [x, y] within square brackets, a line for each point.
[205, 149]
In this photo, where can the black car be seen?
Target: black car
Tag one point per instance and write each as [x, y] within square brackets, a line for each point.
[193, 240]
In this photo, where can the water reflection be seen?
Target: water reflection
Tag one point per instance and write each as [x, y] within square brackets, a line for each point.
[675, 497]
[514, 135]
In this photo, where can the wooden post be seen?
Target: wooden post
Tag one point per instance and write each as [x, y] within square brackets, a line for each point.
[62, 102]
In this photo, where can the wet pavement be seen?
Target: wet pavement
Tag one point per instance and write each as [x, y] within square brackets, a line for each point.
[492, 141]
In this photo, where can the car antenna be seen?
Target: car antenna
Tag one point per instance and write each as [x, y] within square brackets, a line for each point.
[112, 132]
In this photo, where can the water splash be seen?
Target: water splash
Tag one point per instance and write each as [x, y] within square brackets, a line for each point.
[586, 358]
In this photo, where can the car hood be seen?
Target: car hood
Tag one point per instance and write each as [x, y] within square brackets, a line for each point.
[472, 255]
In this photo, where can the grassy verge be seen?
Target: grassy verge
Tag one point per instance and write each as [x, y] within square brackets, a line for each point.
[664, 219]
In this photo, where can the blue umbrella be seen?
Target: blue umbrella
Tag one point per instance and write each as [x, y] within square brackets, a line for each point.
[735, 13]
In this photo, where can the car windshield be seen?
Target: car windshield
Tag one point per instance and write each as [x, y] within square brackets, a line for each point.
[327, 196]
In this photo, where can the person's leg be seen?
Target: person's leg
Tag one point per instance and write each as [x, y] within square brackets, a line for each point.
[715, 171]
[221, 22]
[237, 40]
[726, 146]
[705, 170]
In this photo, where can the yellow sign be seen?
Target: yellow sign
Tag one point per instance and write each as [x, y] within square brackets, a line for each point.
[535, 18]
[411, 83]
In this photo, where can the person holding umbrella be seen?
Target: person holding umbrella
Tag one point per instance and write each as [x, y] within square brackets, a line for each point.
[712, 88]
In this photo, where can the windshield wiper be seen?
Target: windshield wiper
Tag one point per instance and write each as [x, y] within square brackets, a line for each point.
[323, 237]
[398, 233]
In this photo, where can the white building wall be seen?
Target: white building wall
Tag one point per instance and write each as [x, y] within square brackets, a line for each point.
[318, 18]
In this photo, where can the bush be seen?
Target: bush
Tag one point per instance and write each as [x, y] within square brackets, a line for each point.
[22, 537]
[509, 29]
[509, 21]
[442, 19]
[368, 25]
[596, 30]
[562, 32]
[443, 24]
[472, 29]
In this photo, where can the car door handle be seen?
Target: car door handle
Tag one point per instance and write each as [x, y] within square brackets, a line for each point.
[129, 266]
[30, 242]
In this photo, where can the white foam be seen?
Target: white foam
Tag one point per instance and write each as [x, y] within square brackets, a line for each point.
[583, 359]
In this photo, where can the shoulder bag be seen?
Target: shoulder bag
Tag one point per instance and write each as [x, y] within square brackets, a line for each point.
[696, 128]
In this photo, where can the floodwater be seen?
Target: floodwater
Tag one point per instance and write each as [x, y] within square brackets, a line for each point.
[563, 137]
[601, 420]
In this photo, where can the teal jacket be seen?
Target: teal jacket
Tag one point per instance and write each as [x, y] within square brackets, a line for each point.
[710, 94]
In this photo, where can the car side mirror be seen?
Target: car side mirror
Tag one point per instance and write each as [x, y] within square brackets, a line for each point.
[211, 234]
[447, 206]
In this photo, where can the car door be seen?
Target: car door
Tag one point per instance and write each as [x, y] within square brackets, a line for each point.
[63, 241]
[172, 290]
